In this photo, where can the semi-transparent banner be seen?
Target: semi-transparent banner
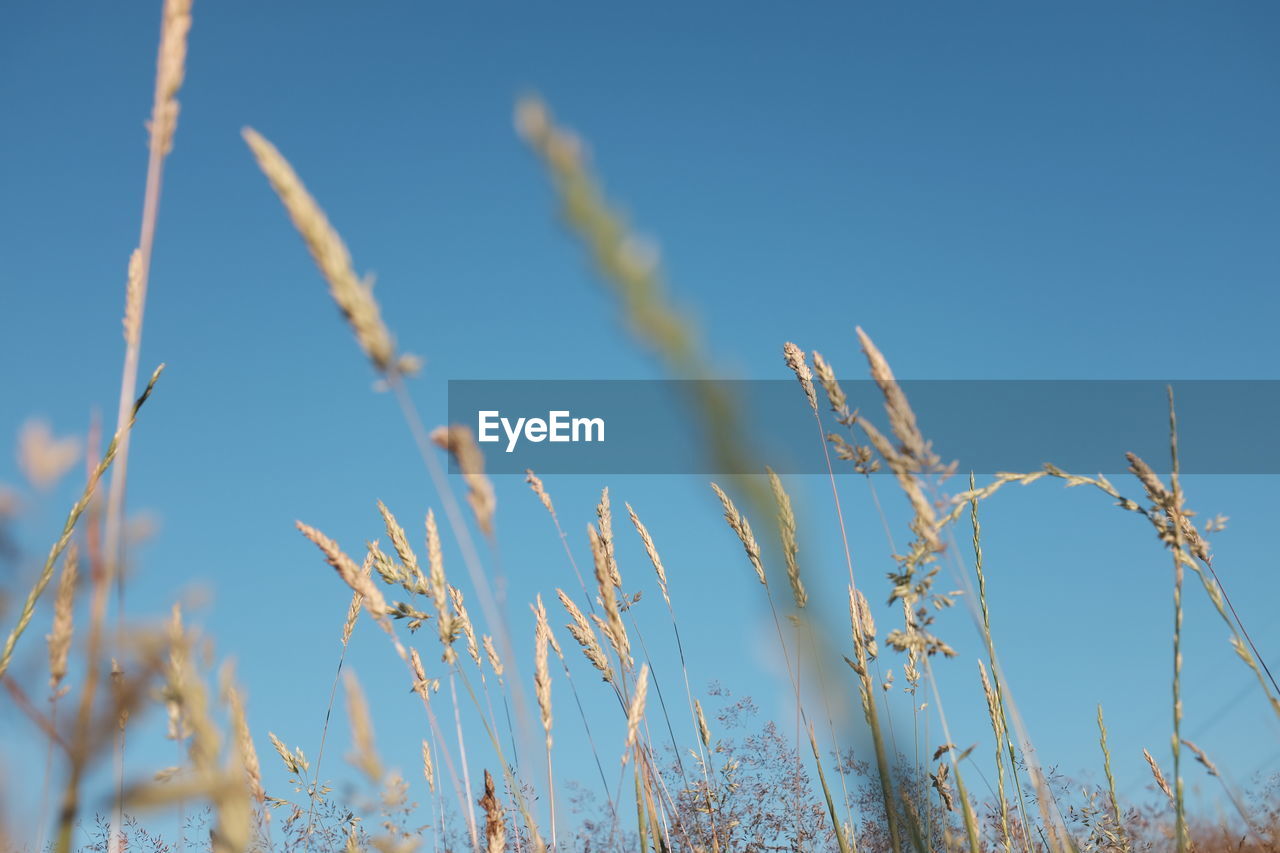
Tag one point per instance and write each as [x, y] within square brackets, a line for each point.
[661, 426]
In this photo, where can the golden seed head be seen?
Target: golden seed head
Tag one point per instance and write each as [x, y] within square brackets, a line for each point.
[794, 357]
[59, 638]
[635, 713]
[353, 295]
[790, 543]
[540, 490]
[739, 524]
[652, 551]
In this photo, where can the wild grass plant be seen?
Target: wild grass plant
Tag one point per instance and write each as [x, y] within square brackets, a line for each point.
[741, 783]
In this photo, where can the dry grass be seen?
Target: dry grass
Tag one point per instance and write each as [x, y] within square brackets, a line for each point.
[751, 793]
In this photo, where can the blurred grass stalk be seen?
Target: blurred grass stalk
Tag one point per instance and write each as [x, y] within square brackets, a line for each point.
[170, 69]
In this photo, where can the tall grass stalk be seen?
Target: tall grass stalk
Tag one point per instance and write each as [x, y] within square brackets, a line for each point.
[996, 685]
[1176, 522]
[64, 538]
[966, 808]
[348, 626]
[655, 559]
[997, 730]
[170, 70]
[1113, 800]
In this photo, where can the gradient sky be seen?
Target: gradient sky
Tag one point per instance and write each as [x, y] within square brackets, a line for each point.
[1004, 191]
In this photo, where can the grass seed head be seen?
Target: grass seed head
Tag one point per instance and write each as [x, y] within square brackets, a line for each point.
[794, 357]
[353, 295]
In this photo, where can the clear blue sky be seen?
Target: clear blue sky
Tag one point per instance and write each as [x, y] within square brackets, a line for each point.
[1005, 191]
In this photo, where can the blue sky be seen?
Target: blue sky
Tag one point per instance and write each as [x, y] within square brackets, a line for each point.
[1003, 192]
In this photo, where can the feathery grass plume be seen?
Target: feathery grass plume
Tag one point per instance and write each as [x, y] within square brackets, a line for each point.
[540, 490]
[580, 629]
[860, 455]
[1202, 757]
[421, 684]
[939, 782]
[615, 630]
[542, 689]
[862, 621]
[364, 755]
[460, 443]
[353, 296]
[652, 551]
[491, 653]
[495, 824]
[625, 260]
[787, 531]
[133, 304]
[997, 730]
[925, 524]
[635, 712]
[428, 768]
[831, 386]
[400, 542]
[540, 616]
[171, 64]
[703, 732]
[794, 357]
[245, 750]
[294, 760]
[630, 266]
[1116, 814]
[604, 514]
[43, 459]
[348, 571]
[464, 622]
[389, 570]
[59, 639]
[913, 581]
[739, 524]
[440, 588]
[77, 509]
[1161, 782]
[353, 613]
[911, 458]
[542, 673]
[902, 420]
[174, 673]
